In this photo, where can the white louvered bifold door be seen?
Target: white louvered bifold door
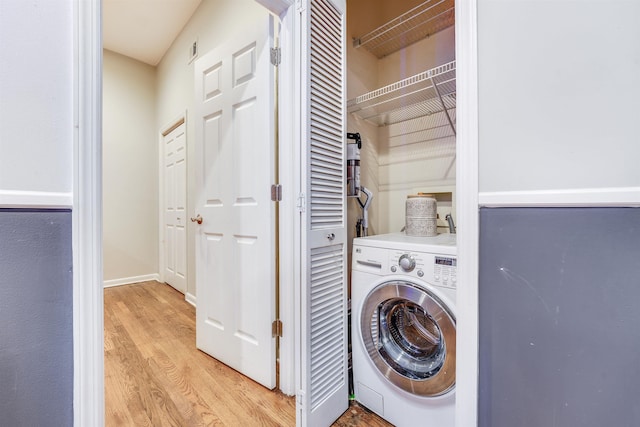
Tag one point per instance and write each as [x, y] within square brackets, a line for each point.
[324, 384]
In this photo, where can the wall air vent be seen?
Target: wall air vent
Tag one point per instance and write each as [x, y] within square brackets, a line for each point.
[193, 51]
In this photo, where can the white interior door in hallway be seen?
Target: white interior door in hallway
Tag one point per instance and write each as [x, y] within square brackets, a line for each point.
[175, 203]
[235, 251]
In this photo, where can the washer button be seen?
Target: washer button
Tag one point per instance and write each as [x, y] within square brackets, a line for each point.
[420, 273]
[393, 268]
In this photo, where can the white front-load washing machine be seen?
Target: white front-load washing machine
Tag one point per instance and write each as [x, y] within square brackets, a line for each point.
[403, 295]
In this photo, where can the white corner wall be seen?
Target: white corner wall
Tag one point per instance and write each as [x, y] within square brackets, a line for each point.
[559, 95]
[36, 103]
[362, 77]
[213, 22]
[130, 170]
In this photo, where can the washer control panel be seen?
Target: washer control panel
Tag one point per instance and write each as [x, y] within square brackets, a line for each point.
[445, 271]
[439, 270]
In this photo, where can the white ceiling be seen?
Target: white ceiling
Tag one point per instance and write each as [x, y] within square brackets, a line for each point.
[144, 29]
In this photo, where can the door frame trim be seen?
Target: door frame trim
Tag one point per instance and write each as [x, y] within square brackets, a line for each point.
[88, 392]
[288, 171]
[88, 301]
[467, 208]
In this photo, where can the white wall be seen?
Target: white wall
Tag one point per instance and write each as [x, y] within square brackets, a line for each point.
[130, 170]
[559, 103]
[36, 94]
[559, 95]
[212, 23]
[36, 171]
[362, 77]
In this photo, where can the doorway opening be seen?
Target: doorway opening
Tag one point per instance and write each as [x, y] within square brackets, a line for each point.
[174, 79]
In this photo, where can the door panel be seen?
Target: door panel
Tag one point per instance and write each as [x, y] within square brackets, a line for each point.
[175, 201]
[235, 254]
[323, 394]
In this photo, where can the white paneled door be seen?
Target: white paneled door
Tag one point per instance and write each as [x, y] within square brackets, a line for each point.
[235, 250]
[175, 207]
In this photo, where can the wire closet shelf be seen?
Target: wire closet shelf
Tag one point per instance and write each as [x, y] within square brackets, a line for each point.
[429, 93]
[420, 22]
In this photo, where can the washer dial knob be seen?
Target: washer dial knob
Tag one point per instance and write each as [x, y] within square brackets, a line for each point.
[407, 262]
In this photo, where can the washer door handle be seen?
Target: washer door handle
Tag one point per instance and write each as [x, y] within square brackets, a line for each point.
[370, 264]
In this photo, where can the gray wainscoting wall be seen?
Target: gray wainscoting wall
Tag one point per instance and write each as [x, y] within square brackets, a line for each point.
[559, 317]
[36, 313]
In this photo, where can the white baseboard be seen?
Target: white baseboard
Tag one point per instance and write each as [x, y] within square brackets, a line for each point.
[587, 197]
[190, 298]
[130, 280]
[35, 199]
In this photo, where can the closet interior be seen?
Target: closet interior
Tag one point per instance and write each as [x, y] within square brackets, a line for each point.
[401, 99]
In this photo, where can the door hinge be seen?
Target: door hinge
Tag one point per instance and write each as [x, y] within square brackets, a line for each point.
[301, 204]
[276, 328]
[276, 192]
[276, 56]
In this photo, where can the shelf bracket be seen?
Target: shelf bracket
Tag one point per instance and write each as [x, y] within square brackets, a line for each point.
[444, 107]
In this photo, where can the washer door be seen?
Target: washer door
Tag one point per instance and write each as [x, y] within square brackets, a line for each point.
[410, 335]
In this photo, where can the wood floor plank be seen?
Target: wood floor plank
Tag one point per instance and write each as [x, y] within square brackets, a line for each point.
[179, 387]
[202, 388]
[155, 376]
[122, 396]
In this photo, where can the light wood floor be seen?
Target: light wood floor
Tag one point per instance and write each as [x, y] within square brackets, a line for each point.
[155, 376]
